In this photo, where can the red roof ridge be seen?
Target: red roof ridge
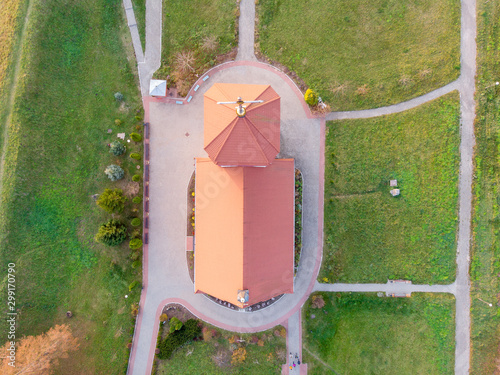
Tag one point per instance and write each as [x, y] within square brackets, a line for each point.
[263, 136]
[255, 106]
[247, 122]
[231, 125]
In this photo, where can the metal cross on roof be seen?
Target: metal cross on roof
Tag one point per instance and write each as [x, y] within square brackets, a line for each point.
[240, 109]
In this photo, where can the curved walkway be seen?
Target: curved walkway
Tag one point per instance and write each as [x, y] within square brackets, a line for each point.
[177, 137]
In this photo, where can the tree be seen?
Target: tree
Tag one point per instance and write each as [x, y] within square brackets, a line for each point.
[311, 97]
[117, 148]
[112, 200]
[39, 354]
[114, 172]
[111, 233]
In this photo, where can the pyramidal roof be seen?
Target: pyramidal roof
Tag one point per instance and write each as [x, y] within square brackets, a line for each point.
[249, 140]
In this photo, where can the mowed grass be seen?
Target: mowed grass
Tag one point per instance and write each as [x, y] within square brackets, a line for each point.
[371, 236]
[485, 268]
[364, 54]
[139, 7]
[366, 334]
[73, 63]
[265, 353]
[203, 30]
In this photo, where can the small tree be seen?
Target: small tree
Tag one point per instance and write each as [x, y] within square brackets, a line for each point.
[136, 137]
[111, 233]
[135, 222]
[137, 199]
[135, 243]
[114, 172]
[118, 96]
[136, 177]
[117, 148]
[311, 97]
[112, 200]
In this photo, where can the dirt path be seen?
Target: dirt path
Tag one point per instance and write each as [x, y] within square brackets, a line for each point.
[17, 57]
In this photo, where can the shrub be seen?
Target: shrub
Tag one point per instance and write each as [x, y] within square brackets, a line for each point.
[238, 356]
[112, 200]
[136, 200]
[135, 155]
[111, 233]
[134, 309]
[118, 122]
[136, 263]
[117, 148]
[188, 332]
[135, 222]
[136, 137]
[135, 243]
[135, 256]
[317, 302]
[138, 118]
[163, 317]
[114, 172]
[136, 178]
[175, 324]
[311, 97]
[132, 285]
[118, 96]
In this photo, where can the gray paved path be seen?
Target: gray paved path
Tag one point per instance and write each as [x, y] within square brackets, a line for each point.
[396, 108]
[467, 107]
[386, 288]
[246, 31]
[134, 32]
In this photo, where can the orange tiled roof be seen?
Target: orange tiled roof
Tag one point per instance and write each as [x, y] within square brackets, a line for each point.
[244, 230]
[252, 140]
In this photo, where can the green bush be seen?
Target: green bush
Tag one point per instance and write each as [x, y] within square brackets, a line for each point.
[136, 263]
[311, 97]
[117, 148]
[136, 137]
[135, 222]
[136, 255]
[112, 200]
[175, 324]
[136, 178]
[137, 199]
[135, 243]
[132, 285]
[118, 96]
[118, 122]
[114, 172]
[135, 155]
[138, 118]
[111, 233]
[176, 339]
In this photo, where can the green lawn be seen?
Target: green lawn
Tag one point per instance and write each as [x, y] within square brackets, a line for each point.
[265, 353]
[74, 62]
[366, 334]
[485, 267]
[371, 236]
[140, 17]
[195, 35]
[364, 54]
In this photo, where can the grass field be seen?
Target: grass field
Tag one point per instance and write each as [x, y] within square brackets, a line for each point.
[73, 63]
[140, 17]
[195, 35]
[265, 353]
[366, 334]
[364, 54]
[485, 267]
[371, 236]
